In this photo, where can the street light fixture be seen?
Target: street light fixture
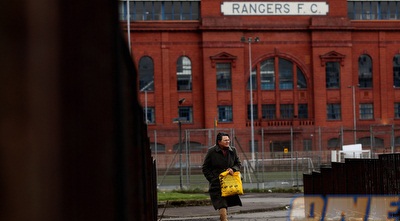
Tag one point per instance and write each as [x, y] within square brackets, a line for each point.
[250, 40]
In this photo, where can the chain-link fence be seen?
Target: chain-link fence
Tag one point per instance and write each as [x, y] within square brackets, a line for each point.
[278, 159]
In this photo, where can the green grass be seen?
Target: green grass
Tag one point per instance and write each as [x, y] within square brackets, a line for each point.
[198, 194]
[173, 195]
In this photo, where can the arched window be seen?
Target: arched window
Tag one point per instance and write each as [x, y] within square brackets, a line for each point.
[146, 74]
[267, 75]
[365, 71]
[287, 73]
[396, 70]
[157, 147]
[190, 147]
[197, 147]
[184, 74]
[366, 141]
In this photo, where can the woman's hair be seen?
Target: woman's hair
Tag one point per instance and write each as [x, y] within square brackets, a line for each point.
[219, 136]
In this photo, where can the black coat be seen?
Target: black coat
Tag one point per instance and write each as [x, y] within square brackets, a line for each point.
[215, 163]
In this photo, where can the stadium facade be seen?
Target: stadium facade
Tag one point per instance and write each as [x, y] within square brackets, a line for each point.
[323, 73]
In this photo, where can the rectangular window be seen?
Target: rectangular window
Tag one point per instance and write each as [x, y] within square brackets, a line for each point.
[149, 11]
[332, 71]
[285, 74]
[160, 10]
[186, 113]
[350, 11]
[286, 111]
[373, 10]
[303, 111]
[366, 111]
[255, 112]
[384, 11]
[186, 11]
[184, 74]
[394, 10]
[333, 112]
[268, 111]
[396, 71]
[194, 6]
[176, 11]
[150, 115]
[168, 11]
[184, 82]
[365, 71]
[358, 10]
[223, 76]
[397, 110]
[225, 114]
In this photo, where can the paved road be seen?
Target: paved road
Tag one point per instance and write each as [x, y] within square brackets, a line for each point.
[260, 216]
[256, 207]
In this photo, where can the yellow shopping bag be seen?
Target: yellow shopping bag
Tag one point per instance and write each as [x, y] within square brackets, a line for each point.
[231, 184]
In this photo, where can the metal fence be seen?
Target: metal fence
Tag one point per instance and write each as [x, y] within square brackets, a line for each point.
[281, 155]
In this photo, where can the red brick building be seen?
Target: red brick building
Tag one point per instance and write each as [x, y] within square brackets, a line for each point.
[324, 72]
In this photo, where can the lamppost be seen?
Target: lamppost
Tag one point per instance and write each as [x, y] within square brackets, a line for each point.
[250, 40]
[179, 120]
[354, 113]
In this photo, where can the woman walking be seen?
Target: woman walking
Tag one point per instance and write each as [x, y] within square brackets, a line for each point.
[219, 158]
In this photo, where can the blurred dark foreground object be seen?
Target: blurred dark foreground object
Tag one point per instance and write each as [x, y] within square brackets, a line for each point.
[72, 142]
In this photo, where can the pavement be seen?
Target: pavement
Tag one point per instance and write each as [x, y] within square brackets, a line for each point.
[252, 203]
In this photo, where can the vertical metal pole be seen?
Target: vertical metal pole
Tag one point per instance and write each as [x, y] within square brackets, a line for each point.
[155, 151]
[297, 170]
[210, 141]
[320, 145]
[187, 149]
[145, 106]
[251, 104]
[215, 126]
[354, 115]
[392, 140]
[291, 150]
[180, 154]
[128, 25]
[341, 137]
[262, 155]
[371, 134]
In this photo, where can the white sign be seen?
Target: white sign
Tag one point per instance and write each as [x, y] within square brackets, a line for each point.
[274, 8]
[352, 147]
